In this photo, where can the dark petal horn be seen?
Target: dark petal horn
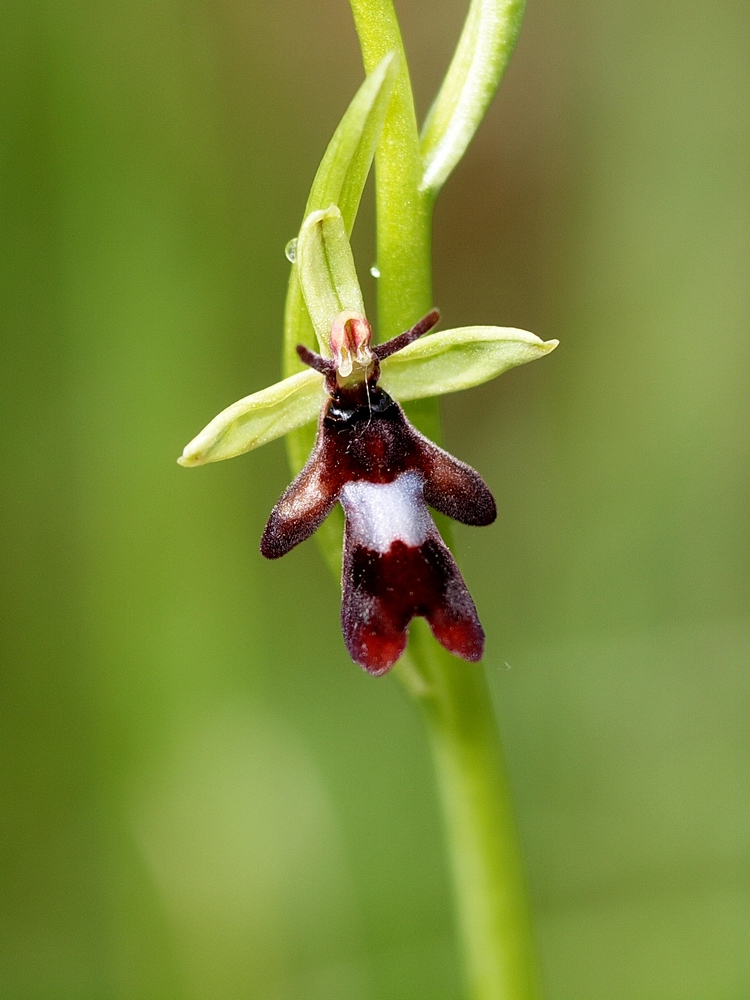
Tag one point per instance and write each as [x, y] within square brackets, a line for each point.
[315, 361]
[404, 339]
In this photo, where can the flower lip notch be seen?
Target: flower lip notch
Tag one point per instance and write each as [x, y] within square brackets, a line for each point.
[368, 457]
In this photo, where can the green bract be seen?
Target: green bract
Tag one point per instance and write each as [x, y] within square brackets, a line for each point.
[340, 180]
[343, 171]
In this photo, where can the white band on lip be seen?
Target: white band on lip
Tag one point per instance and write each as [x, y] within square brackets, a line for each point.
[378, 514]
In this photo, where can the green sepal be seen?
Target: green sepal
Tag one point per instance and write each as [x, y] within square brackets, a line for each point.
[340, 180]
[327, 272]
[458, 359]
[258, 419]
[438, 363]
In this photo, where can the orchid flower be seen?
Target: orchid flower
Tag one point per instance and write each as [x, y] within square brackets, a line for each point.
[384, 472]
[369, 458]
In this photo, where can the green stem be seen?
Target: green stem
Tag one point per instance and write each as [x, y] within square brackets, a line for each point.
[457, 709]
[404, 213]
[488, 878]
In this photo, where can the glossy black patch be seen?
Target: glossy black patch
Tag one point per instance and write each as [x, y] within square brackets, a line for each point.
[351, 408]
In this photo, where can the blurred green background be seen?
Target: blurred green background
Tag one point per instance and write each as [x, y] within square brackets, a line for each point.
[201, 797]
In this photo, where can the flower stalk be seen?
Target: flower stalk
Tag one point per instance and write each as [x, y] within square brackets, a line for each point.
[485, 857]
[488, 881]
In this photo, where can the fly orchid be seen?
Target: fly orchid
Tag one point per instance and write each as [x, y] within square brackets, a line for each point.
[367, 456]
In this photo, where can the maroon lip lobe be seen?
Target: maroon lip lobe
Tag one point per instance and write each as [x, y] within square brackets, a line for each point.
[384, 591]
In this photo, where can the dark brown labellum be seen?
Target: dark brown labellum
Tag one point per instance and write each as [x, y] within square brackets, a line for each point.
[368, 457]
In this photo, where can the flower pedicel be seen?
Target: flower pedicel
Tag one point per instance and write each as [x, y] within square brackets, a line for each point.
[368, 457]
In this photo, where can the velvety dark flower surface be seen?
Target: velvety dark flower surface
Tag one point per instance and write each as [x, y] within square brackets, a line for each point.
[368, 457]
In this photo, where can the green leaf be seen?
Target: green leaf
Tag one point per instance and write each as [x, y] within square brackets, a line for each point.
[341, 176]
[487, 41]
[326, 272]
[458, 359]
[258, 419]
[340, 180]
